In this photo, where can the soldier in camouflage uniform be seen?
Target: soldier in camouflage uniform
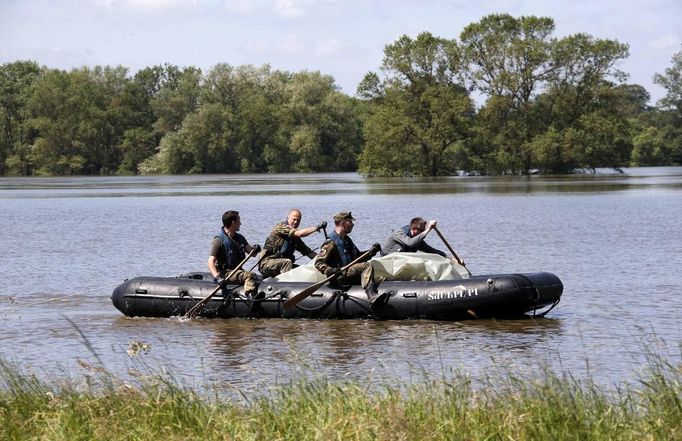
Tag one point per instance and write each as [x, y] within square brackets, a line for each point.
[283, 241]
[339, 250]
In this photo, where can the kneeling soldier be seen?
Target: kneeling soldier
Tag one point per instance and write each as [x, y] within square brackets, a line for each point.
[340, 250]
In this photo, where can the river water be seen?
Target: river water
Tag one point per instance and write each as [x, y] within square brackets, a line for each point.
[614, 239]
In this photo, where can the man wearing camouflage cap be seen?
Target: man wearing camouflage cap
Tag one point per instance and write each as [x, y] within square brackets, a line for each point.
[339, 250]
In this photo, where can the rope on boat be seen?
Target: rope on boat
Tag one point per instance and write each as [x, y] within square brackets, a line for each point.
[337, 294]
[333, 297]
[537, 297]
[544, 313]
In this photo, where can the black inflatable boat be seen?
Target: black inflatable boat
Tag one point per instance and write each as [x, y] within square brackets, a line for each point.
[499, 296]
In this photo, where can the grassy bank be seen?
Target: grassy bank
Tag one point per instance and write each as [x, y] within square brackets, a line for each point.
[553, 408]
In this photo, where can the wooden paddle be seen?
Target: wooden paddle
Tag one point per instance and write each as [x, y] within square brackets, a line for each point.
[312, 288]
[199, 306]
[460, 261]
[259, 260]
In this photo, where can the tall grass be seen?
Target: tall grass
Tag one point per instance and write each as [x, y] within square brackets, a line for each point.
[554, 407]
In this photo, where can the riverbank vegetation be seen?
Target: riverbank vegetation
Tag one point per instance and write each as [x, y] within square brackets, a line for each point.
[547, 104]
[551, 407]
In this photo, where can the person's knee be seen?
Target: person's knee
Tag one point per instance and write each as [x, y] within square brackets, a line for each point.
[250, 284]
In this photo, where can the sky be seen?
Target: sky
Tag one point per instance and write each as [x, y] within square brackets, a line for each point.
[342, 38]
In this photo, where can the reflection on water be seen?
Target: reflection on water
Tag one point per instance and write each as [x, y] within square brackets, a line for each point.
[331, 183]
[612, 239]
[272, 350]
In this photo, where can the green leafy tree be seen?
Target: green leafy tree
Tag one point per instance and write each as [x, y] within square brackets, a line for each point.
[177, 96]
[649, 148]
[671, 106]
[141, 140]
[631, 100]
[254, 94]
[52, 113]
[671, 81]
[508, 56]
[15, 81]
[509, 59]
[319, 125]
[537, 87]
[421, 111]
[76, 119]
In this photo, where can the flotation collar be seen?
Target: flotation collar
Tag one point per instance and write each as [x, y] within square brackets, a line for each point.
[347, 255]
[231, 260]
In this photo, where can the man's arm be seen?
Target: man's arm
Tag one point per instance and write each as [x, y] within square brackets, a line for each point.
[212, 259]
[302, 248]
[212, 266]
[405, 240]
[285, 230]
[425, 247]
[322, 264]
[303, 232]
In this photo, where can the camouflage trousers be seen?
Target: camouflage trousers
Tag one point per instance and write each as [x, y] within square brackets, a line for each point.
[361, 272]
[246, 278]
[274, 266]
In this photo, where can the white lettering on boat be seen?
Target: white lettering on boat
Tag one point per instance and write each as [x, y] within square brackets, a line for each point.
[458, 292]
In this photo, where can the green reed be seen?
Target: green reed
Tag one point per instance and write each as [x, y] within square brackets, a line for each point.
[550, 407]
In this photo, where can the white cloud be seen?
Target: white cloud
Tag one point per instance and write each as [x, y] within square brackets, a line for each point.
[329, 47]
[254, 47]
[147, 5]
[291, 44]
[242, 7]
[668, 43]
[308, 8]
[291, 8]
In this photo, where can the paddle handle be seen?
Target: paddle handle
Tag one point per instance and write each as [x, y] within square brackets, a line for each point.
[199, 306]
[259, 260]
[304, 255]
[460, 261]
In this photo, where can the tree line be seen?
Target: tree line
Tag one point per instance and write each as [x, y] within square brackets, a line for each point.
[553, 105]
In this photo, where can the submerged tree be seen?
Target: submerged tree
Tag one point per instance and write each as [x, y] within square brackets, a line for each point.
[254, 120]
[15, 82]
[540, 91]
[671, 106]
[420, 111]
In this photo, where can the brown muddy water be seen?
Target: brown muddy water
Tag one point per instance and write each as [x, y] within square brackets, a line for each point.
[615, 240]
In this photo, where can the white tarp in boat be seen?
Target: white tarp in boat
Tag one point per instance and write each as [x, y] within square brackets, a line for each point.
[395, 266]
[304, 273]
[417, 266]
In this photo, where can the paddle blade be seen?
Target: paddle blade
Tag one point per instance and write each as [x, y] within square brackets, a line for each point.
[197, 308]
[304, 294]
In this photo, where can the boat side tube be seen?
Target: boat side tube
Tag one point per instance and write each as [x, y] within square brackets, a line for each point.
[502, 296]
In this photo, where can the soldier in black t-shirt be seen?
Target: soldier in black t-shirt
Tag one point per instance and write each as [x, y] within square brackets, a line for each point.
[228, 249]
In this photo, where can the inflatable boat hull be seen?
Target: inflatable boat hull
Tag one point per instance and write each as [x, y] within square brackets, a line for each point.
[500, 296]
